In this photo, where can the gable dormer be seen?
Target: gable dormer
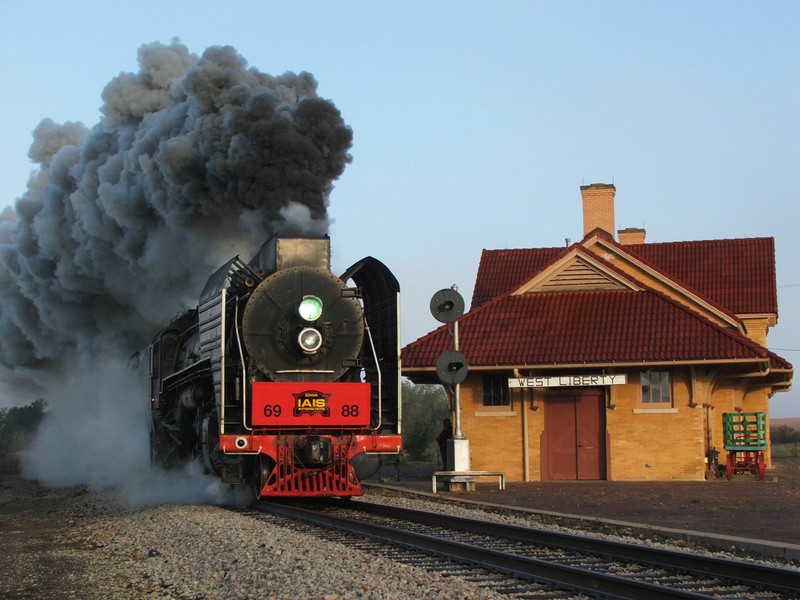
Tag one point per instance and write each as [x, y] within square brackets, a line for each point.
[579, 271]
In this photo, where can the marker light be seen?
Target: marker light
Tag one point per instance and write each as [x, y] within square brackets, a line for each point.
[310, 308]
[310, 340]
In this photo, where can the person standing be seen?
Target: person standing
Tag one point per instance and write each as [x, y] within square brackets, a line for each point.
[441, 439]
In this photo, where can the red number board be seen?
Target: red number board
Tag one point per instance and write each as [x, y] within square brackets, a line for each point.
[311, 404]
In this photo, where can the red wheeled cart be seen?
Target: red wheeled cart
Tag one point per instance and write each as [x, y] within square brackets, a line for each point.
[745, 441]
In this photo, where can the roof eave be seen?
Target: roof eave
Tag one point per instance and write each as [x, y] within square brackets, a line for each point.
[602, 365]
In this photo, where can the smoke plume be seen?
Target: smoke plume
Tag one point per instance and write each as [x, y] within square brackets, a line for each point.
[193, 160]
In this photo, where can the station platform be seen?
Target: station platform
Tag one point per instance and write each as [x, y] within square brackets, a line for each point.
[745, 512]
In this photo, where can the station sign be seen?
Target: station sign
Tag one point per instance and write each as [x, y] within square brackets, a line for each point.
[589, 380]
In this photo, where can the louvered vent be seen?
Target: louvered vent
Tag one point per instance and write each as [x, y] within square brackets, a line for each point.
[579, 276]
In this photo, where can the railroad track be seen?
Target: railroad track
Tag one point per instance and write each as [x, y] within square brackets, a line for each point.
[531, 563]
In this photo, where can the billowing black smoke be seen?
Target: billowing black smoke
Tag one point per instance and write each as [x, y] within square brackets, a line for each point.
[194, 160]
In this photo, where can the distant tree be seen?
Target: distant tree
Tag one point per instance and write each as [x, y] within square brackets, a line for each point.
[19, 423]
[785, 434]
[424, 407]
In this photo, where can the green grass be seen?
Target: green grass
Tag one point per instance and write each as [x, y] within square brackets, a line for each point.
[786, 450]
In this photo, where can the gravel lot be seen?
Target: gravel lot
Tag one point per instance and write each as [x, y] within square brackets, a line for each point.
[71, 543]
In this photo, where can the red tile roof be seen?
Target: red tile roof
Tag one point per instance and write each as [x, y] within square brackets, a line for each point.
[738, 275]
[584, 327]
[501, 271]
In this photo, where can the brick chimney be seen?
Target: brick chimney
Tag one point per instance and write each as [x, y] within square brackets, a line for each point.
[598, 207]
[630, 236]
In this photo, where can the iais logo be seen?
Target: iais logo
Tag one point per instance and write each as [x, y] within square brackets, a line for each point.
[311, 403]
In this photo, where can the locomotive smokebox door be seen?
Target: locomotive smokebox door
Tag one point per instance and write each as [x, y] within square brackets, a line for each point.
[300, 322]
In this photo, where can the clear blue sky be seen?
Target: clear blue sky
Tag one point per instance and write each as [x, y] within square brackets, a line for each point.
[475, 123]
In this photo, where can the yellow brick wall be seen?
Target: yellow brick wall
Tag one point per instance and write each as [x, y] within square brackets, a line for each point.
[650, 442]
[495, 441]
[644, 443]
[757, 329]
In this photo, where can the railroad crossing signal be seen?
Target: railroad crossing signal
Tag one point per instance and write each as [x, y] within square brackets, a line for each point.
[451, 367]
[447, 305]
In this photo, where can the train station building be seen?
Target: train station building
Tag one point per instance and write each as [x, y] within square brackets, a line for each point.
[612, 358]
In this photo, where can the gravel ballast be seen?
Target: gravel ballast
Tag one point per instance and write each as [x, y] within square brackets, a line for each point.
[74, 543]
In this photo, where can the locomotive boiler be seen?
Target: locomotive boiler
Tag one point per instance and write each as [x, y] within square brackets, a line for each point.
[285, 378]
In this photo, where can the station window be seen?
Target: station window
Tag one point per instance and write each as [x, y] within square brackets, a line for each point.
[655, 387]
[495, 390]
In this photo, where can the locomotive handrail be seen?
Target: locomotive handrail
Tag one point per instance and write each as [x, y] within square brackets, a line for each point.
[222, 334]
[191, 369]
[244, 452]
[241, 358]
[380, 375]
[285, 371]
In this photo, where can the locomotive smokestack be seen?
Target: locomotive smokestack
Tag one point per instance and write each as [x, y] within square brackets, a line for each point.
[193, 160]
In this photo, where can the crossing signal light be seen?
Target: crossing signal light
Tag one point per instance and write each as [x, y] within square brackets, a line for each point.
[451, 367]
[447, 305]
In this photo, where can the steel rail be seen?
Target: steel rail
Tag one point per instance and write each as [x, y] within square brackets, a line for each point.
[762, 576]
[541, 571]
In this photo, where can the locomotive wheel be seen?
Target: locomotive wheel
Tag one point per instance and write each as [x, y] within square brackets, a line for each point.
[215, 459]
[262, 468]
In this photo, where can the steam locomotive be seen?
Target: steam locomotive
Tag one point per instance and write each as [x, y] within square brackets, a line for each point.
[284, 378]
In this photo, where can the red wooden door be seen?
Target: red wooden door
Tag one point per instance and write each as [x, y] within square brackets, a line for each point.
[574, 436]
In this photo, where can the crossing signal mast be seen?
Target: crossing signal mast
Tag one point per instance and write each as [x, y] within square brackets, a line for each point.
[447, 306]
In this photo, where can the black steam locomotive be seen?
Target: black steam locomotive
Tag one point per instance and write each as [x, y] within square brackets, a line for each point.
[284, 378]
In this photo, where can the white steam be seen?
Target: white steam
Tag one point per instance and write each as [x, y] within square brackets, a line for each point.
[194, 160]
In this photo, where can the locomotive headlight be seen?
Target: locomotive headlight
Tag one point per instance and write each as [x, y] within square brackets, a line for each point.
[310, 340]
[310, 308]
